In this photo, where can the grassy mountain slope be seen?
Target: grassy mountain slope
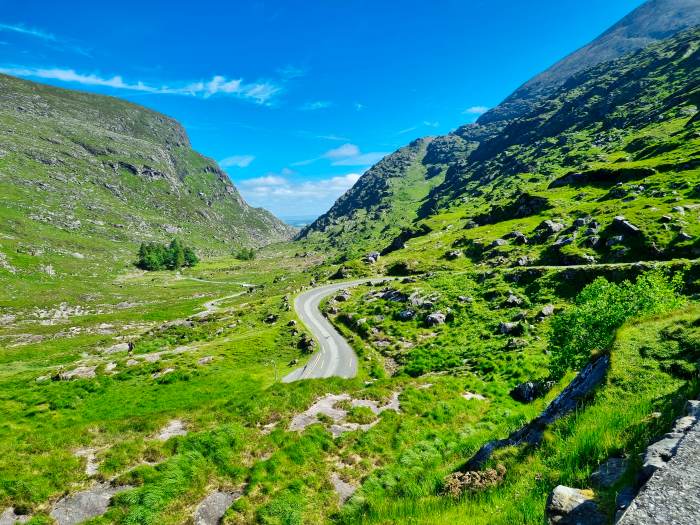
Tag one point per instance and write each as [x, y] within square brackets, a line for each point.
[470, 148]
[87, 177]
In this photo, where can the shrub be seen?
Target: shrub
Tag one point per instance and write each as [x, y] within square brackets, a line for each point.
[600, 309]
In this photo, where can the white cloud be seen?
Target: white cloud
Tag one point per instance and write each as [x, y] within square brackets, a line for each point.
[237, 161]
[316, 105]
[346, 155]
[260, 93]
[475, 110]
[341, 152]
[290, 72]
[28, 31]
[285, 196]
[431, 124]
[359, 106]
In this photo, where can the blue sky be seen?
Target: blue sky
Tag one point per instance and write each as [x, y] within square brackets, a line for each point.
[296, 99]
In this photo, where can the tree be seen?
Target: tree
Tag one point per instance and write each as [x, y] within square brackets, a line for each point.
[154, 256]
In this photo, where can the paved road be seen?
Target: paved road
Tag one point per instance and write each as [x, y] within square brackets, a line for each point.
[335, 357]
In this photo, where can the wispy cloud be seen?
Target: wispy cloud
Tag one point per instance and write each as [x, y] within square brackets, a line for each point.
[475, 110]
[359, 106]
[431, 124]
[346, 155]
[28, 31]
[336, 138]
[407, 130]
[316, 105]
[258, 92]
[237, 161]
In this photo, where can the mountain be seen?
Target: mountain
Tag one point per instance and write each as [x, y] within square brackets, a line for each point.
[653, 21]
[451, 156]
[93, 174]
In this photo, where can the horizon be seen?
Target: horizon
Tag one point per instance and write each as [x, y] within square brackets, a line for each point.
[289, 123]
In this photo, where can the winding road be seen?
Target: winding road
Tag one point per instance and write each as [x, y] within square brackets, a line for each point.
[334, 357]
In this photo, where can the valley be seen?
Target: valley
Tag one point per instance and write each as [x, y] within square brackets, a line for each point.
[500, 325]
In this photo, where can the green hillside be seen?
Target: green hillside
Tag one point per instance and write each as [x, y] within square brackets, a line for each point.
[85, 178]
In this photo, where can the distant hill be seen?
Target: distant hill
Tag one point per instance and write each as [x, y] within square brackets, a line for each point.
[93, 174]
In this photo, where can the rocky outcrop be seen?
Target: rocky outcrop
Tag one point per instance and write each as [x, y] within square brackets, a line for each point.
[582, 385]
[672, 493]
[212, 508]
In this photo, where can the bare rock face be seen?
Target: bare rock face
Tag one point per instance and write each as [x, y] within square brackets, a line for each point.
[610, 472]
[9, 517]
[568, 506]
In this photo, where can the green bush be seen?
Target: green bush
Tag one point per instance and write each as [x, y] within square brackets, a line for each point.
[600, 309]
[244, 254]
[154, 256]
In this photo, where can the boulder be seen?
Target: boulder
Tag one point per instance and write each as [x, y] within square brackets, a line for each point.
[452, 255]
[271, 319]
[406, 315]
[569, 506]
[343, 296]
[547, 228]
[511, 328]
[435, 318]
[513, 300]
[465, 299]
[529, 391]
[547, 311]
[497, 243]
[625, 227]
[659, 453]
[372, 257]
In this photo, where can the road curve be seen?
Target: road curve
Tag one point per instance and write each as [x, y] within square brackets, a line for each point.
[334, 357]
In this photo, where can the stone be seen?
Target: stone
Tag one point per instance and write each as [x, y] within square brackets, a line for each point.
[343, 296]
[530, 390]
[465, 299]
[175, 428]
[271, 319]
[497, 243]
[658, 454]
[549, 227]
[372, 257]
[511, 328]
[212, 508]
[406, 315]
[569, 506]
[666, 219]
[609, 473]
[683, 236]
[452, 255]
[624, 226]
[513, 300]
[435, 318]
[680, 210]
[81, 372]
[343, 489]
[547, 311]
[205, 360]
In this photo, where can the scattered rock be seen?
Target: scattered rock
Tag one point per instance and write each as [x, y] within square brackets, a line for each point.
[624, 226]
[513, 300]
[205, 360]
[529, 391]
[497, 243]
[465, 299]
[546, 311]
[452, 255]
[82, 372]
[548, 228]
[471, 395]
[372, 257]
[271, 319]
[343, 489]
[511, 328]
[212, 508]
[435, 318]
[568, 506]
[173, 429]
[343, 296]
[680, 210]
[84, 505]
[162, 373]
